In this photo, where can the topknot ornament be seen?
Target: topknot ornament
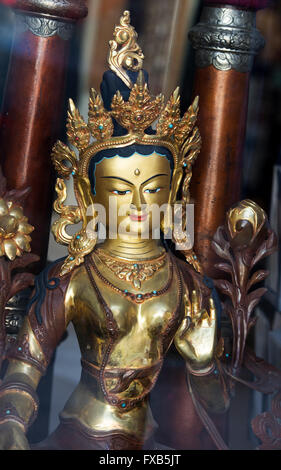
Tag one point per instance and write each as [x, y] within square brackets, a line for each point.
[125, 53]
[137, 114]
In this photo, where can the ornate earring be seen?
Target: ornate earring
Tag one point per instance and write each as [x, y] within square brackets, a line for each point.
[187, 157]
[179, 232]
[66, 163]
[84, 241]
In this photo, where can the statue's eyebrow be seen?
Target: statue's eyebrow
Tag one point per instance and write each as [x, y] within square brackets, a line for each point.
[117, 178]
[128, 182]
[155, 176]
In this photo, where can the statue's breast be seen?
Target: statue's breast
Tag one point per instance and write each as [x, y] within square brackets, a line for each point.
[141, 329]
[123, 342]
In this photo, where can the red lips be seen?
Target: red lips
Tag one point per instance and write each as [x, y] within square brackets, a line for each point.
[138, 218]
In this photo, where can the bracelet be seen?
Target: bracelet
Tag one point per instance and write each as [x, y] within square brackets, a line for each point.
[202, 372]
[9, 413]
[24, 390]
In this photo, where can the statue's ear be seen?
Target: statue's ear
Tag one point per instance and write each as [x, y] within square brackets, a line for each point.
[86, 198]
[175, 185]
[167, 222]
[84, 187]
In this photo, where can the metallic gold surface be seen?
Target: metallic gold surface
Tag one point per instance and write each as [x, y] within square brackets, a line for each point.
[98, 416]
[123, 342]
[136, 194]
[18, 404]
[141, 324]
[21, 401]
[124, 51]
[78, 132]
[139, 346]
[140, 111]
[100, 122]
[246, 211]
[19, 371]
[131, 272]
[180, 136]
[68, 214]
[16, 396]
[12, 436]
[14, 230]
[196, 338]
[34, 347]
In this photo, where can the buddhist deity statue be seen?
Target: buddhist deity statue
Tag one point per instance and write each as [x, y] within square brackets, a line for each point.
[129, 294]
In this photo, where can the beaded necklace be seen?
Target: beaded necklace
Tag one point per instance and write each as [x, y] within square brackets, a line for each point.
[137, 298]
[133, 272]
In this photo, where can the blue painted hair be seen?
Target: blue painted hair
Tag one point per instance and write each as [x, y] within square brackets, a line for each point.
[110, 84]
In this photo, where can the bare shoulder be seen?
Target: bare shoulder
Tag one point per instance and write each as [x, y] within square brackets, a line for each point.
[79, 287]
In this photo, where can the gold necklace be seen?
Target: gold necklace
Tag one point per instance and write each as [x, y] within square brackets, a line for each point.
[138, 298]
[131, 271]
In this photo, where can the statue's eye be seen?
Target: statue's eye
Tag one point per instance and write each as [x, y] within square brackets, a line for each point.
[121, 193]
[152, 191]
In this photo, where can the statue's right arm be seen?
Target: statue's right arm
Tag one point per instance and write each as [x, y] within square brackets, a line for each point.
[29, 358]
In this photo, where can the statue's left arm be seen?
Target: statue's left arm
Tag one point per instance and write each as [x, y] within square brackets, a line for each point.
[30, 356]
[196, 341]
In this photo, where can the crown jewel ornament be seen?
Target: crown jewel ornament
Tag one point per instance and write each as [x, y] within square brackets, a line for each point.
[124, 53]
[179, 135]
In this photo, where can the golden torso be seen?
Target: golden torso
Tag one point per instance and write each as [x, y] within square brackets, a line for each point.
[144, 333]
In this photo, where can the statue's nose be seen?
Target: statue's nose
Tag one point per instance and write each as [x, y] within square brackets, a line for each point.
[138, 201]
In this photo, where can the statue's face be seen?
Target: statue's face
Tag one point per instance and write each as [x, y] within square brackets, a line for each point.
[132, 185]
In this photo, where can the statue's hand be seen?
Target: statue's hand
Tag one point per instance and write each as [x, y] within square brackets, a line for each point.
[196, 337]
[12, 437]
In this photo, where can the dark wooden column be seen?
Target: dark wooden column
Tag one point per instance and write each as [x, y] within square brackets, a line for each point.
[33, 100]
[225, 41]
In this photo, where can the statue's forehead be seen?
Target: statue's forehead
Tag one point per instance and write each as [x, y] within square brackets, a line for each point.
[145, 164]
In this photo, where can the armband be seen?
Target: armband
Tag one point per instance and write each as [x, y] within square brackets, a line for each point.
[8, 411]
[202, 372]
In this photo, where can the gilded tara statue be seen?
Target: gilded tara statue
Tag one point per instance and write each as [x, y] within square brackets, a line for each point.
[129, 293]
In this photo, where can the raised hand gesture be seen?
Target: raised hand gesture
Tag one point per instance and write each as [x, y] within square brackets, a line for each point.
[196, 337]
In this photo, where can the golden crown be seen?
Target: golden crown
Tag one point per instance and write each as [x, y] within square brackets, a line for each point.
[180, 135]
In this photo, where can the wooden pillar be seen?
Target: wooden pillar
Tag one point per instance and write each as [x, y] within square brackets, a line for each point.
[33, 100]
[225, 41]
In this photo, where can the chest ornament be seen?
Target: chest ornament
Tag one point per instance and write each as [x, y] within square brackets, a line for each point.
[137, 298]
[131, 271]
[126, 376]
